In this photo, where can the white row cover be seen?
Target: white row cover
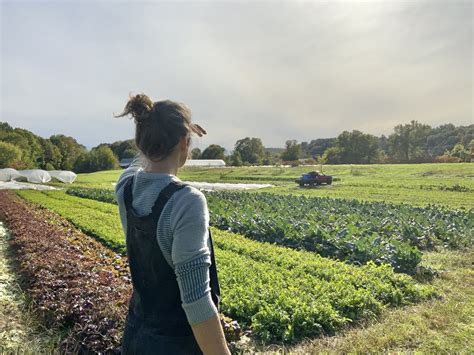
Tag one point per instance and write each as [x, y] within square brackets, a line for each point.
[15, 185]
[204, 162]
[211, 186]
[63, 175]
[8, 174]
[37, 175]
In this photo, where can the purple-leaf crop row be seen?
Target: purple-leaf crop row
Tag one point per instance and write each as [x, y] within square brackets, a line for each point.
[73, 280]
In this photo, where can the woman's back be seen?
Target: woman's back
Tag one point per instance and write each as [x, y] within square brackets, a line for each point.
[186, 211]
[182, 234]
[174, 306]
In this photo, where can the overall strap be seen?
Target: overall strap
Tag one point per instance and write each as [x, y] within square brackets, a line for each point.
[214, 281]
[160, 202]
[164, 196]
[128, 197]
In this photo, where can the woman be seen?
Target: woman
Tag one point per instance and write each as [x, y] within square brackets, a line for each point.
[175, 300]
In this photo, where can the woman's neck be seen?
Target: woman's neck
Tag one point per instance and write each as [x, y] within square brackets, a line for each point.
[153, 168]
[167, 166]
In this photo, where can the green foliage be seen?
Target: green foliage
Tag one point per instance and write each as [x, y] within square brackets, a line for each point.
[397, 183]
[351, 147]
[214, 151]
[347, 230]
[103, 159]
[445, 137]
[5, 127]
[281, 294]
[408, 142]
[332, 155]
[124, 149]
[51, 157]
[196, 153]
[10, 155]
[357, 148]
[317, 146]
[236, 159]
[250, 149]
[274, 152]
[104, 223]
[102, 195]
[460, 152]
[58, 152]
[268, 159]
[28, 144]
[352, 231]
[292, 151]
[70, 151]
[100, 158]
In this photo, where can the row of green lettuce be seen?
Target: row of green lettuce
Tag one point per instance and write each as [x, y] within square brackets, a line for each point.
[279, 293]
[348, 230]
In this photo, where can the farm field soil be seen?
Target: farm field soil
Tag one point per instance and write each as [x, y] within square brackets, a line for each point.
[451, 185]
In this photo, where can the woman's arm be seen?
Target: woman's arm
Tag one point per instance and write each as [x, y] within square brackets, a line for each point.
[132, 168]
[210, 345]
[190, 254]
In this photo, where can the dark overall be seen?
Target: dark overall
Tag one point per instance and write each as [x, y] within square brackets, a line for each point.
[156, 322]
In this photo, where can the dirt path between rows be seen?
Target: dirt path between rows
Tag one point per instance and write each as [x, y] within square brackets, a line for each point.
[11, 330]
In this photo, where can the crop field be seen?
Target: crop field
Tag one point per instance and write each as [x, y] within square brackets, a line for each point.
[326, 298]
[451, 185]
[299, 267]
[351, 231]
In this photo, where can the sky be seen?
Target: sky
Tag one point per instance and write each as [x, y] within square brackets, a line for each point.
[275, 70]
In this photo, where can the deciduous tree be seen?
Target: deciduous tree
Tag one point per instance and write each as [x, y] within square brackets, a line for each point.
[251, 150]
[214, 151]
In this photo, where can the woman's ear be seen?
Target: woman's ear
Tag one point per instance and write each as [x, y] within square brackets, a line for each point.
[184, 143]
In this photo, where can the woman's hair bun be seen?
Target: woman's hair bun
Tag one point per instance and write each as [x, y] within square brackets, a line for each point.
[139, 106]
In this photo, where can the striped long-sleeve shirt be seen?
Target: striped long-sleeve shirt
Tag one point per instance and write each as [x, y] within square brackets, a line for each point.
[182, 234]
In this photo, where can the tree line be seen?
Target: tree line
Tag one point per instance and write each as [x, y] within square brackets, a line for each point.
[413, 142]
[22, 149]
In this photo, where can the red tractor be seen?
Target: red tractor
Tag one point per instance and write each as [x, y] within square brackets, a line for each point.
[314, 178]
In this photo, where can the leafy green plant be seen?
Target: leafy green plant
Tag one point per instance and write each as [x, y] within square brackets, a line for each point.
[347, 230]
